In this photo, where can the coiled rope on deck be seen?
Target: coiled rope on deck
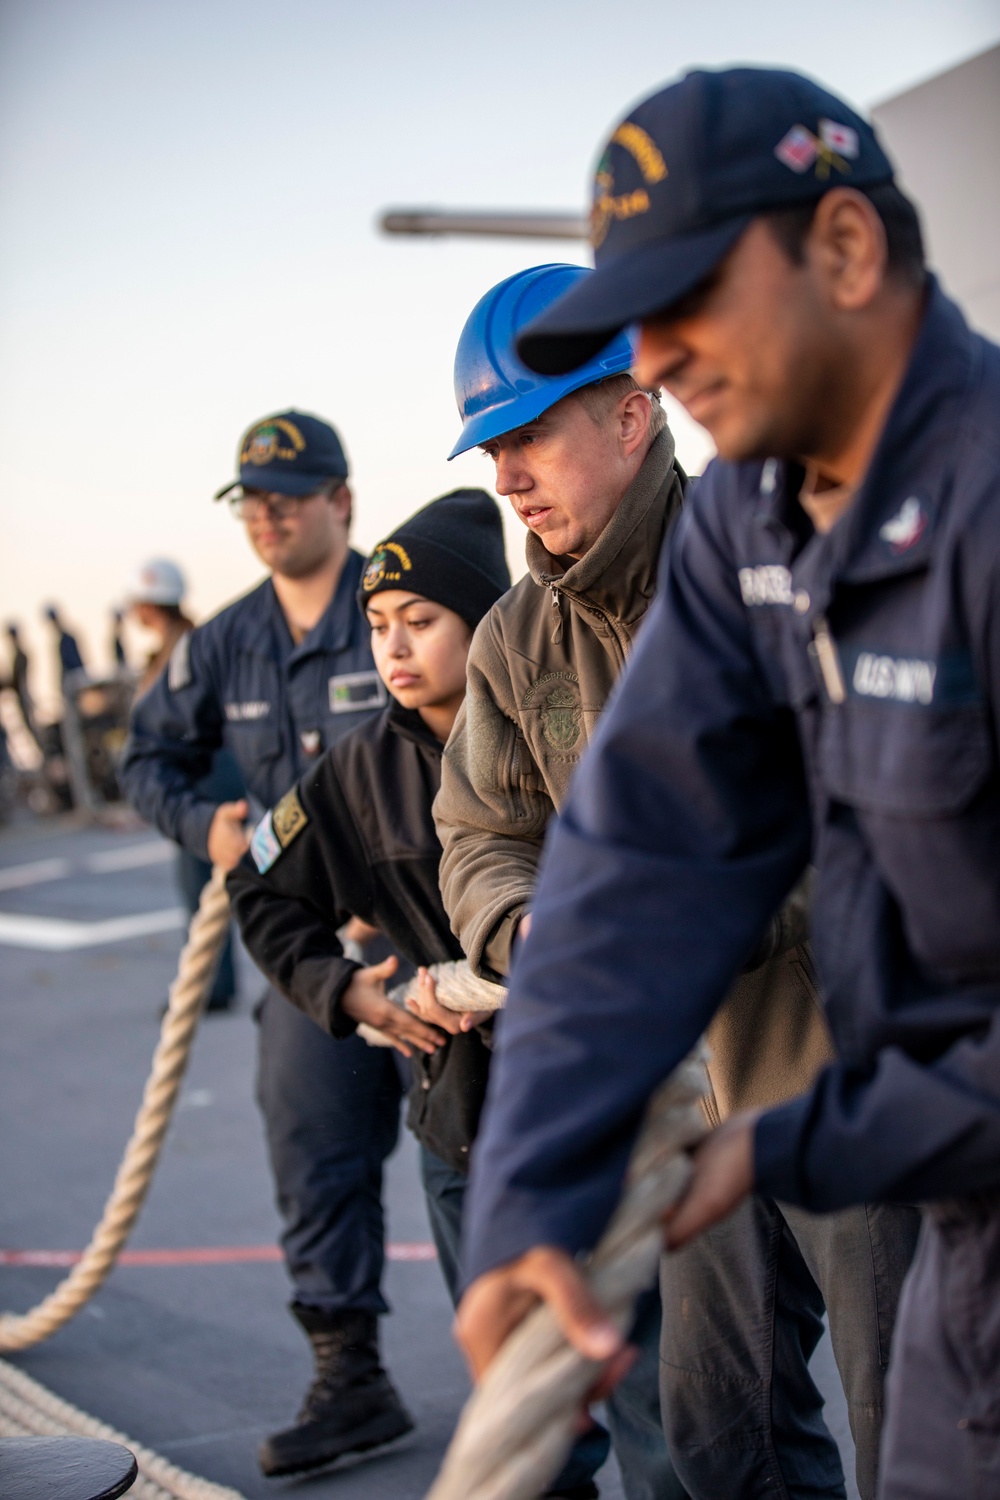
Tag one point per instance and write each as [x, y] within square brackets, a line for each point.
[199, 956]
[27, 1409]
[518, 1426]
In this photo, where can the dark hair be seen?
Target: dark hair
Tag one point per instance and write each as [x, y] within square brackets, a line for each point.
[904, 239]
[333, 487]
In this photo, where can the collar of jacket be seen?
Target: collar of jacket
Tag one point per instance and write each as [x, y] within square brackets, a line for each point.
[338, 625]
[408, 724]
[891, 527]
[618, 574]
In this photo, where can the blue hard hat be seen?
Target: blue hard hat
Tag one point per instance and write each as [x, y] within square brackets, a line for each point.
[495, 391]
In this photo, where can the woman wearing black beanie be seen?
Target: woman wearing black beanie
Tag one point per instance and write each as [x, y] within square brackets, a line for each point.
[356, 838]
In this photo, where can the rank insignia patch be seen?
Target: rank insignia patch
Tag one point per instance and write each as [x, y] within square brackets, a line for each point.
[264, 847]
[288, 818]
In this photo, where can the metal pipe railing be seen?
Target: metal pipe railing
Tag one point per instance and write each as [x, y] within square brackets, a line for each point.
[501, 223]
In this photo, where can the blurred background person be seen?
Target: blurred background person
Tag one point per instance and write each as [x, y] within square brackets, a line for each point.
[117, 644]
[70, 658]
[154, 602]
[19, 668]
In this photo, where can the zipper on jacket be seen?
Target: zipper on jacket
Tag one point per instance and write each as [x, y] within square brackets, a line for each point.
[515, 776]
[557, 633]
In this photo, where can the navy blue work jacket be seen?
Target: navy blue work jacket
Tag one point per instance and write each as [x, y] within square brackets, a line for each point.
[792, 696]
[239, 680]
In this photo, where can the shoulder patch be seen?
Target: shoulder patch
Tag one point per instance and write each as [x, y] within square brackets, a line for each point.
[179, 665]
[264, 846]
[289, 818]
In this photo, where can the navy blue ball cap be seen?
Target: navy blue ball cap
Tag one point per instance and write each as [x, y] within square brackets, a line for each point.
[680, 180]
[290, 453]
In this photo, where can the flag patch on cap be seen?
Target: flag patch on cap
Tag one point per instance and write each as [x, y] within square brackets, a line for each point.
[797, 149]
[840, 138]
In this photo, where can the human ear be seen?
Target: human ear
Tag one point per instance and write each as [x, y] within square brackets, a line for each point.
[634, 414]
[847, 248]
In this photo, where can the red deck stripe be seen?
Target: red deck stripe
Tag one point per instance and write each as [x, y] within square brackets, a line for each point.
[204, 1255]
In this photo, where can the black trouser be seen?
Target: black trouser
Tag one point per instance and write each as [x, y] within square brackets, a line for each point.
[942, 1430]
[331, 1109]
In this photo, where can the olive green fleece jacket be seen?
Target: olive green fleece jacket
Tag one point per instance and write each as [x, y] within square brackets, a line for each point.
[541, 667]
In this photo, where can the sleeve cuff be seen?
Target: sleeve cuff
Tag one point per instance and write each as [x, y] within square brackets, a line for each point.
[498, 948]
[193, 831]
[777, 1138]
[317, 989]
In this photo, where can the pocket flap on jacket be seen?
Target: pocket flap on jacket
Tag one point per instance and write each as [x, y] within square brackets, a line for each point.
[905, 758]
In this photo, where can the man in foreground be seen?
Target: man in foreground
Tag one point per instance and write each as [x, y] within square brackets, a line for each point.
[589, 471]
[277, 677]
[818, 678]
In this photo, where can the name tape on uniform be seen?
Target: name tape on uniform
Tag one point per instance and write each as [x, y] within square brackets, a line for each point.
[352, 692]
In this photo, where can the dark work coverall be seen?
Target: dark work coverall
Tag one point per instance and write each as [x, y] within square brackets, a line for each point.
[331, 1109]
[792, 696]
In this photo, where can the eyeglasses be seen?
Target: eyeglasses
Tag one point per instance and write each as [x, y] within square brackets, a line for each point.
[249, 504]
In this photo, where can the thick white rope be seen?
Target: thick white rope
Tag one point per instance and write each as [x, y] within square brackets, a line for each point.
[209, 926]
[518, 1426]
[27, 1409]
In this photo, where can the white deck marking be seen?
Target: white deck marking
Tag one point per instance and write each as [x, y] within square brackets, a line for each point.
[107, 862]
[55, 935]
[36, 873]
[110, 860]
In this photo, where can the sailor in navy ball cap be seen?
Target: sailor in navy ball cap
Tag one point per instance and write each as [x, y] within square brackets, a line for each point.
[278, 677]
[818, 682]
[678, 183]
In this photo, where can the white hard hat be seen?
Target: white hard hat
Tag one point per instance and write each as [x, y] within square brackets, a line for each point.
[158, 581]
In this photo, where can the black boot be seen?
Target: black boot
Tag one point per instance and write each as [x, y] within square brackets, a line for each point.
[351, 1405]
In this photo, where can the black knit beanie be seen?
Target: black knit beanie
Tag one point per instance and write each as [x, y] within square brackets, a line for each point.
[450, 551]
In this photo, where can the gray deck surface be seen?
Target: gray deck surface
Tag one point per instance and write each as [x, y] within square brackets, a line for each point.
[196, 1361]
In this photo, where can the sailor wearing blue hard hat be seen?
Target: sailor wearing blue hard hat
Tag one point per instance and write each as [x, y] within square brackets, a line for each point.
[587, 464]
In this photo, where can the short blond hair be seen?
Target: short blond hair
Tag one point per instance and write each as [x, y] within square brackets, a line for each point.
[600, 399]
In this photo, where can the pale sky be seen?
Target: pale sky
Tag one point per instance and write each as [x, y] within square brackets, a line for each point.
[188, 196]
